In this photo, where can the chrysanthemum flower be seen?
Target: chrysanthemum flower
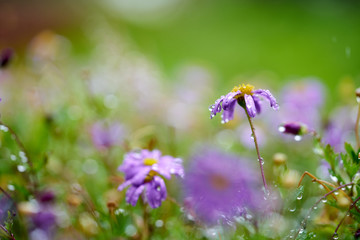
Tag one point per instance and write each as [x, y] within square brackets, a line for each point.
[144, 171]
[245, 96]
[219, 185]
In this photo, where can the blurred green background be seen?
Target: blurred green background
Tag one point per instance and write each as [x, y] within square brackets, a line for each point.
[286, 39]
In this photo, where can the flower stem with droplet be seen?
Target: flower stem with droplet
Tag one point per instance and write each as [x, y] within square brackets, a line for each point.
[257, 151]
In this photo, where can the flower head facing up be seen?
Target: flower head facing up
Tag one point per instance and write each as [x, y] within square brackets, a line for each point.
[219, 185]
[144, 171]
[245, 96]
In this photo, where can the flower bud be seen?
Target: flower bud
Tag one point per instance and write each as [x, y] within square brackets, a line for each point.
[291, 179]
[294, 128]
[279, 158]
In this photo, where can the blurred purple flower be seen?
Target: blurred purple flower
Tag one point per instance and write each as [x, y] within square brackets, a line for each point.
[221, 185]
[323, 170]
[45, 220]
[340, 128]
[106, 136]
[6, 205]
[244, 95]
[143, 171]
[301, 102]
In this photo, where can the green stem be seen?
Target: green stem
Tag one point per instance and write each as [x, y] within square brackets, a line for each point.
[261, 160]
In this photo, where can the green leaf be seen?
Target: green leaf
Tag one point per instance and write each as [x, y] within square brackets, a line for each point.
[349, 149]
[350, 166]
[330, 156]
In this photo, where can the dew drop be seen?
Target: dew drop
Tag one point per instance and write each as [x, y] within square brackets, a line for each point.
[335, 236]
[281, 129]
[292, 209]
[297, 138]
[333, 178]
[324, 200]
[21, 168]
[299, 197]
[130, 230]
[301, 230]
[159, 223]
[336, 193]
[119, 211]
[11, 187]
[315, 207]
[4, 128]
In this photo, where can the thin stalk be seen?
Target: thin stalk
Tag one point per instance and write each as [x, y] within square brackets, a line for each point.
[261, 160]
[146, 230]
[357, 128]
[346, 214]
[317, 202]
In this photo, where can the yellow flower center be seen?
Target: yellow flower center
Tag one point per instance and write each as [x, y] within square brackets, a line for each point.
[150, 176]
[150, 161]
[244, 89]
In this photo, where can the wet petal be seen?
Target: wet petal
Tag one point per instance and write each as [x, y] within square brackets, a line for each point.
[266, 94]
[250, 105]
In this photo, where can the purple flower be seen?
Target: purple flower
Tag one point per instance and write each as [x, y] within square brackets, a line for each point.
[143, 171]
[301, 101]
[340, 128]
[6, 205]
[221, 185]
[104, 136]
[44, 220]
[245, 96]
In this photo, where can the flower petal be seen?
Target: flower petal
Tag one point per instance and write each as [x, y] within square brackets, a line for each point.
[228, 113]
[266, 94]
[156, 192]
[216, 108]
[250, 105]
[133, 193]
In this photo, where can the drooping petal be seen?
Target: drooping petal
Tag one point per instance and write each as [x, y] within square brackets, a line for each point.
[250, 105]
[257, 104]
[124, 185]
[230, 99]
[266, 94]
[156, 192]
[216, 108]
[133, 193]
[228, 113]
